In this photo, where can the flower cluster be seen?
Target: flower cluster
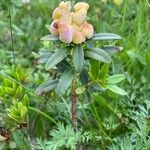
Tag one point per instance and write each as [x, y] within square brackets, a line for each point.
[71, 26]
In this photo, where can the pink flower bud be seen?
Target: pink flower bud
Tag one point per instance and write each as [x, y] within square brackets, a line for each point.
[78, 37]
[87, 30]
[65, 32]
[54, 28]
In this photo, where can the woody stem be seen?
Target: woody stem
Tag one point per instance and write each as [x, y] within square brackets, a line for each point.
[74, 102]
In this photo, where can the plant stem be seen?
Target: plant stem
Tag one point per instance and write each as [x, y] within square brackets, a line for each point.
[74, 102]
[12, 39]
[74, 111]
[44, 114]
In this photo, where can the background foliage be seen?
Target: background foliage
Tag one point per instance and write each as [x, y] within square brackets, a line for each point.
[108, 121]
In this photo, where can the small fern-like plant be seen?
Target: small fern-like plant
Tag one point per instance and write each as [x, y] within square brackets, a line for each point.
[64, 137]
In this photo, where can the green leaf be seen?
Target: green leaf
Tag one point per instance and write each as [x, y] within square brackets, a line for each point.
[18, 91]
[115, 78]
[43, 58]
[98, 54]
[21, 140]
[57, 57]
[78, 58]
[84, 77]
[12, 145]
[103, 103]
[80, 90]
[97, 87]
[24, 111]
[147, 60]
[17, 112]
[20, 105]
[15, 117]
[65, 81]
[9, 90]
[25, 100]
[64, 137]
[2, 144]
[8, 82]
[49, 38]
[62, 66]
[112, 49]
[46, 87]
[94, 69]
[104, 72]
[116, 89]
[106, 36]
[43, 51]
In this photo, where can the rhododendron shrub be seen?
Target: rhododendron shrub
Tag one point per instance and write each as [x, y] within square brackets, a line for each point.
[73, 51]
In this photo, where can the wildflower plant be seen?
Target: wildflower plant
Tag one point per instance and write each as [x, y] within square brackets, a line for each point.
[74, 52]
[81, 104]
